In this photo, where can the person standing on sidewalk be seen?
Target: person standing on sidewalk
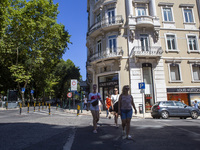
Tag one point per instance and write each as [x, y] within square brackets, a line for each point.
[115, 98]
[125, 105]
[93, 100]
[85, 102]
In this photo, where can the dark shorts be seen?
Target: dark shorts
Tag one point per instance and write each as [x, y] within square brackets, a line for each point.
[126, 114]
[116, 107]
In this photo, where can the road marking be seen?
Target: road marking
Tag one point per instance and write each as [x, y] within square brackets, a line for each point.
[70, 141]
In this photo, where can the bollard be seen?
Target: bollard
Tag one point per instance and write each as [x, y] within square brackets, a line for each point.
[42, 105]
[28, 108]
[39, 107]
[34, 107]
[49, 109]
[57, 107]
[78, 109]
[20, 108]
[46, 105]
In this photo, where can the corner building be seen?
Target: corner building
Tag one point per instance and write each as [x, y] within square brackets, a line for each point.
[151, 41]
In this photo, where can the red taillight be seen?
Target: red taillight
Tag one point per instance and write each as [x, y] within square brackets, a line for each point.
[158, 107]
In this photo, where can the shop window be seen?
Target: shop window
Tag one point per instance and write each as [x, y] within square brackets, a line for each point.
[175, 75]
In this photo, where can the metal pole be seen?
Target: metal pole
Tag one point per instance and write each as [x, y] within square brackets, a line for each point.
[143, 103]
[81, 103]
[69, 103]
[39, 107]
[49, 109]
[28, 108]
[34, 106]
[20, 108]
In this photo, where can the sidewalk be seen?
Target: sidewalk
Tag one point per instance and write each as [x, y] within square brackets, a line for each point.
[103, 113]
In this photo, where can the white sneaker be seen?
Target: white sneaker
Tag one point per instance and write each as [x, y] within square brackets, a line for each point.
[129, 137]
[95, 131]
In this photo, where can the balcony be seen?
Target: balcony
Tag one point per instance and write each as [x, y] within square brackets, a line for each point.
[108, 54]
[100, 3]
[144, 21]
[147, 52]
[105, 24]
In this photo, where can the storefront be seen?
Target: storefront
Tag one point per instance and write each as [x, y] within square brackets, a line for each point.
[107, 84]
[187, 95]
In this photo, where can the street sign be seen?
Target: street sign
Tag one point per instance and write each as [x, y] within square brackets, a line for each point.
[74, 85]
[69, 95]
[32, 91]
[23, 90]
[141, 85]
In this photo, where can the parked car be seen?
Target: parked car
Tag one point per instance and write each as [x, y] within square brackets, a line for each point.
[166, 109]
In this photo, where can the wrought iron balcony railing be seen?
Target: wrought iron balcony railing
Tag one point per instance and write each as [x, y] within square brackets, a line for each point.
[117, 20]
[149, 51]
[109, 53]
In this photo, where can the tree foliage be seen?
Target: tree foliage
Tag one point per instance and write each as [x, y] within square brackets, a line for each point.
[32, 44]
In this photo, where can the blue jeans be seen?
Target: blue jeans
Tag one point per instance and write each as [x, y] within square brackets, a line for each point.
[126, 114]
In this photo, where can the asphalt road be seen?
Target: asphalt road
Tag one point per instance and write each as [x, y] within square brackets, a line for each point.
[65, 131]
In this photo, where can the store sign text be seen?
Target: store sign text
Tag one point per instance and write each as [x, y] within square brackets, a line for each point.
[183, 90]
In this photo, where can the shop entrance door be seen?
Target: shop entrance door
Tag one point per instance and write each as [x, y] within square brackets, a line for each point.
[149, 89]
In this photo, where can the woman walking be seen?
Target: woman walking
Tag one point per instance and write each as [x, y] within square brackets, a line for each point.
[125, 110]
[115, 98]
[93, 100]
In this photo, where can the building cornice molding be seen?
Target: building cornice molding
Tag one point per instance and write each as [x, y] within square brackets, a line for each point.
[181, 58]
[179, 29]
[165, 4]
[187, 5]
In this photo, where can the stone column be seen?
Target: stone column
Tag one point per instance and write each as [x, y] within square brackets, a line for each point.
[129, 8]
[152, 6]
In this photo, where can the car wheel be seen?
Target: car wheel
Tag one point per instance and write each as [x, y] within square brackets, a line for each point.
[194, 115]
[165, 114]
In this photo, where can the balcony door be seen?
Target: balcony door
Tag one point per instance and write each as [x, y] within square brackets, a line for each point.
[111, 16]
[144, 40]
[112, 43]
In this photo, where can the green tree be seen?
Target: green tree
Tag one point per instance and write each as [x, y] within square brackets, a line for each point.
[65, 71]
[33, 39]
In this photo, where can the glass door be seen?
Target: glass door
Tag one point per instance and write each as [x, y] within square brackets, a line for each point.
[144, 42]
[111, 16]
[149, 92]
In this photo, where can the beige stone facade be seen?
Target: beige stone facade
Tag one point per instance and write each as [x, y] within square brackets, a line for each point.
[151, 41]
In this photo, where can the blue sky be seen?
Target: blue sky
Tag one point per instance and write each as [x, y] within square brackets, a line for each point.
[73, 14]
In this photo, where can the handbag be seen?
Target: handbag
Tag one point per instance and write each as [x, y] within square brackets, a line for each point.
[95, 103]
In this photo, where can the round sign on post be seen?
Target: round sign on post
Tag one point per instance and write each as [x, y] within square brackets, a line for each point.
[69, 95]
